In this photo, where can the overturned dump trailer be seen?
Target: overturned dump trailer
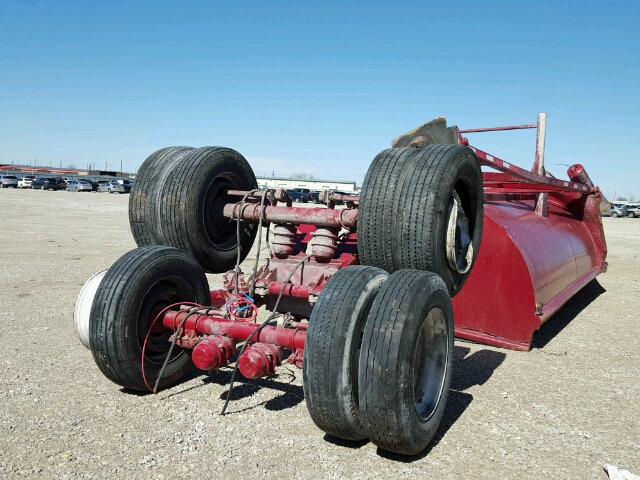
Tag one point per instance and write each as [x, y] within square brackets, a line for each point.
[365, 298]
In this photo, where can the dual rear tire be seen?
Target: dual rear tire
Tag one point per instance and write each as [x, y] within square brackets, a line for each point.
[422, 209]
[178, 200]
[331, 363]
[377, 360]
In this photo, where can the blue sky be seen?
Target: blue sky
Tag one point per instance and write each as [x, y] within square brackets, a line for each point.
[319, 87]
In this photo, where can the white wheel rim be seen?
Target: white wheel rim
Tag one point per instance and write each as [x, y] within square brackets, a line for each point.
[84, 302]
[459, 246]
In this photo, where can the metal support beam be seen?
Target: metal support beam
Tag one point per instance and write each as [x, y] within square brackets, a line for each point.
[320, 217]
[542, 201]
[529, 177]
[291, 338]
[497, 129]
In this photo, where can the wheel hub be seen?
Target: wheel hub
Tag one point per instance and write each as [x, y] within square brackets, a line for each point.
[160, 296]
[430, 363]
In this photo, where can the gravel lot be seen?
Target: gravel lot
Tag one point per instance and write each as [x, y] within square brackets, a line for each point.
[560, 411]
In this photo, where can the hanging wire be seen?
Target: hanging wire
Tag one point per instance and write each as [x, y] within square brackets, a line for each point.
[255, 265]
[257, 331]
[237, 269]
[196, 307]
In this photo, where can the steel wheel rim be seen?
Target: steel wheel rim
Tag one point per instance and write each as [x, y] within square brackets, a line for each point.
[430, 354]
[220, 229]
[161, 294]
[460, 228]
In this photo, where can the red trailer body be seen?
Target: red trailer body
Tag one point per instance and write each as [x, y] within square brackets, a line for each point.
[528, 266]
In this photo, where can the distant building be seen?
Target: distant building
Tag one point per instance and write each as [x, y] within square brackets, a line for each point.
[311, 184]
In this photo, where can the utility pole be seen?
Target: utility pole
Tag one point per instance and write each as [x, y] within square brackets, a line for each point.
[120, 166]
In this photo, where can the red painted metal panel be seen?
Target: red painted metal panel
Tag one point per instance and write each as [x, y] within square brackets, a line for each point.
[543, 246]
[497, 303]
[528, 266]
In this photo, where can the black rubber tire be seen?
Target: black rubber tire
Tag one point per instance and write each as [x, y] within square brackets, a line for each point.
[403, 212]
[375, 212]
[406, 302]
[133, 291]
[630, 215]
[194, 195]
[332, 350]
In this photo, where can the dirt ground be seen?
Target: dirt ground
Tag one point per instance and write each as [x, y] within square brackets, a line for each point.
[560, 411]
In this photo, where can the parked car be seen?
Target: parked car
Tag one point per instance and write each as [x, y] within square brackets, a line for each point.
[314, 196]
[47, 183]
[103, 186]
[26, 181]
[633, 210]
[119, 186]
[7, 181]
[340, 192]
[615, 212]
[79, 186]
[299, 194]
[94, 185]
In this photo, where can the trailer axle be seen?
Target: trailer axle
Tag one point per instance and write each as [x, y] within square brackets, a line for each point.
[320, 217]
[213, 339]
